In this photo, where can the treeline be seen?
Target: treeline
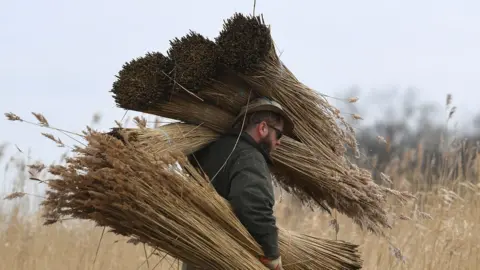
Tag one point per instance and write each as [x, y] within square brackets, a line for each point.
[407, 138]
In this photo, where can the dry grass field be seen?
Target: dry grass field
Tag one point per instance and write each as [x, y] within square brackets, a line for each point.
[440, 230]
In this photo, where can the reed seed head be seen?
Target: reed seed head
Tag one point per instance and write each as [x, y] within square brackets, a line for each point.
[352, 99]
[14, 195]
[13, 117]
[452, 112]
[357, 116]
[449, 99]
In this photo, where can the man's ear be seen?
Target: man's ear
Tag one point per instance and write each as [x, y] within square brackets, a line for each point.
[264, 126]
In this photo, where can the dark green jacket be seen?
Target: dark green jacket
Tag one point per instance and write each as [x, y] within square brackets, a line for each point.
[246, 183]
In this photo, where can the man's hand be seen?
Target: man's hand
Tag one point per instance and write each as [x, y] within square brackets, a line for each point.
[275, 264]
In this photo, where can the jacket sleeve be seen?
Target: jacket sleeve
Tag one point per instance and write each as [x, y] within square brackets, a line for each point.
[251, 197]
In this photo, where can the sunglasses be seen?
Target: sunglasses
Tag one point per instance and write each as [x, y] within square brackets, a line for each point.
[278, 132]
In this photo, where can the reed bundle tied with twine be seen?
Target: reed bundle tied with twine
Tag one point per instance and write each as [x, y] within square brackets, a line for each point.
[160, 199]
[310, 165]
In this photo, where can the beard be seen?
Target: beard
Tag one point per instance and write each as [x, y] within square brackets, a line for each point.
[266, 145]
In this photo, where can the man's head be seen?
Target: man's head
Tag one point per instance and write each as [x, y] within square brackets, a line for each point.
[266, 128]
[265, 122]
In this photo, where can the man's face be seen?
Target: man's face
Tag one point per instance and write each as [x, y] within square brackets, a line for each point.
[271, 136]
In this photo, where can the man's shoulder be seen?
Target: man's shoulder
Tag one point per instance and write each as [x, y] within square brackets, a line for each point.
[227, 142]
[248, 157]
[237, 148]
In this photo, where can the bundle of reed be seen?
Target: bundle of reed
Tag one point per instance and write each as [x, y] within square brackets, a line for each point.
[163, 201]
[307, 172]
[150, 84]
[196, 61]
[192, 111]
[174, 137]
[144, 82]
[192, 70]
[350, 191]
[248, 49]
[227, 96]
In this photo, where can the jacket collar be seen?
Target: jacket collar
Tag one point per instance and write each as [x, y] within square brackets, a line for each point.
[247, 138]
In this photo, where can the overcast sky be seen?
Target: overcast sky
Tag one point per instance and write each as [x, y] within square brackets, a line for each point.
[60, 57]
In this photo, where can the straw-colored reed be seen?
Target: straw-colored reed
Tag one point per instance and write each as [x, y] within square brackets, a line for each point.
[228, 97]
[161, 200]
[248, 48]
[175, 137]
[349, 191]
[309, 165]
[194, 112]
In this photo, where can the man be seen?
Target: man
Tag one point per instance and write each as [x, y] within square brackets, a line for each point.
[239, 171]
